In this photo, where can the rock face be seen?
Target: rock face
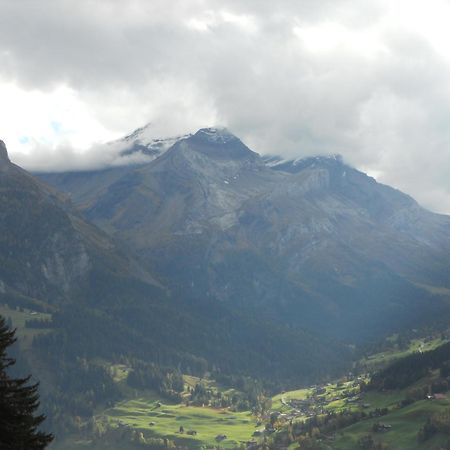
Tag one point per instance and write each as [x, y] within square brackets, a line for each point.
[4, 159]
[311, 242]
[47, 251]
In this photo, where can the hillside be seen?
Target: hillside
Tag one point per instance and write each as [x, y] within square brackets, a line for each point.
[59, 251]
[402, 406]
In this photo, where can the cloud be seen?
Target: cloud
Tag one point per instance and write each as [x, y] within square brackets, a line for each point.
[64, 156]
[369, 81]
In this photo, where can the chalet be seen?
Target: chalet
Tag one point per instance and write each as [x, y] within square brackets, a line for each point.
[381, 427]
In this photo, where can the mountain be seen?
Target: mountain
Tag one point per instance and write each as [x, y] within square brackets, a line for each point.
[205, 258]
[420, 238]
[142, 141]
[105, 304]
[208, 258]
[310, 243]
[135, 149]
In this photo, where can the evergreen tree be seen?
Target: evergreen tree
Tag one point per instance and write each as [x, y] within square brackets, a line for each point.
[18, 404]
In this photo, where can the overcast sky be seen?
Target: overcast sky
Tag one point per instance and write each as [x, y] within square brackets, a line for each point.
[369, 79]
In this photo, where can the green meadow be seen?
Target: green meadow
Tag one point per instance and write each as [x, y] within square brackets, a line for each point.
[165, 421]
[405, 423]
[383, 359]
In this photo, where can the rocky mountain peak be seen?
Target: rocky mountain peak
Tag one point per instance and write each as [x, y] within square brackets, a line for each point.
[143, 142]
[218, 135]
[4, 158]
[219, 143]
[320, 161]
[138, 133]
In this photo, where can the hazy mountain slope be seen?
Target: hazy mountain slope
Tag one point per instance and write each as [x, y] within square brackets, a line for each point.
[421, 238]
[313, 242]
[48, 252]
[83, 186]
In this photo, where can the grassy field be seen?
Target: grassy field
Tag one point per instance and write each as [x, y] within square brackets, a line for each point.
[299, 394]
[405, 423]
[332, 390]
[382, 359]
[148, 413]
[144, 414]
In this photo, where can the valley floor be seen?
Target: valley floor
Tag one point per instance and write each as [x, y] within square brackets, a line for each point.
[144, 419]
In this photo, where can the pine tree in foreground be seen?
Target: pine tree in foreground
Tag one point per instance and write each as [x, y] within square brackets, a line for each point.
[18, 404]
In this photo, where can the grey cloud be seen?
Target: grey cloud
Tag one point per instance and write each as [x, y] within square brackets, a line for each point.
[137, 61]
[64, 157]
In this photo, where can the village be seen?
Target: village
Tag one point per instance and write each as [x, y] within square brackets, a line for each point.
[318, 400]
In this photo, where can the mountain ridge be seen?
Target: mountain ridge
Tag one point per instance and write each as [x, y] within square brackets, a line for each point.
[320, 230]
